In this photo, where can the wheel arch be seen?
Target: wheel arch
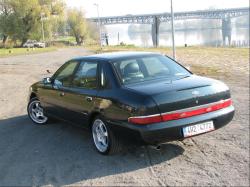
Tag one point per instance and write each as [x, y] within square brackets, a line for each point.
[92, 117]
[32, 95]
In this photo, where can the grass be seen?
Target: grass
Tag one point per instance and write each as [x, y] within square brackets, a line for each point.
[209, 61]
[66, 39]
[207, 71]
[168, 50]
[23, 51]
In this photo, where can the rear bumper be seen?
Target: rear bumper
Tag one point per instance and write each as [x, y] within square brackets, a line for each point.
[172, 130]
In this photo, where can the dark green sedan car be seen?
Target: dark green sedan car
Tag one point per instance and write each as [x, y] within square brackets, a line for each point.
[136, 96]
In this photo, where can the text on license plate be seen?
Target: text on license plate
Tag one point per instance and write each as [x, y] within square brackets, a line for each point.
[198, 128]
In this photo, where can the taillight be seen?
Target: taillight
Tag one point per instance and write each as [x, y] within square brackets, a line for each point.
[142, 120]
[179, 114]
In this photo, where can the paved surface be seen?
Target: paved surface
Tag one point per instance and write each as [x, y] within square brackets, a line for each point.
[59, 154]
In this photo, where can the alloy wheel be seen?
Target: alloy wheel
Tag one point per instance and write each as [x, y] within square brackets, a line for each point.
[100, 135]
[36, 112]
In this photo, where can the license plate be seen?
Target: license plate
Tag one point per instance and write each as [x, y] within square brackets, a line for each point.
[198, 128]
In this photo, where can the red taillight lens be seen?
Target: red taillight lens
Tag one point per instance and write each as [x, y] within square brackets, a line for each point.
[143, 120]
[227, 103]
[213, 107]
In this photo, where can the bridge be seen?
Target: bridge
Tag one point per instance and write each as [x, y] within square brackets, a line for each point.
[224, 15]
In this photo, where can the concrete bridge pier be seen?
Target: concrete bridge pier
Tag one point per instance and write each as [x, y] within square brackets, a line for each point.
[226, 30]
[155, 31]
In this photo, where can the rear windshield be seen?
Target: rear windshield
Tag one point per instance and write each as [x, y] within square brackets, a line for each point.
[135, 70]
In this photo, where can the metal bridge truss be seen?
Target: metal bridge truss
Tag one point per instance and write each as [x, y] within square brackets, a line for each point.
[165, 17]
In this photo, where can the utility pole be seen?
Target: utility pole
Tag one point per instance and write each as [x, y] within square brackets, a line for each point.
[118, 38]
[172, 24]
[99, 24]
[42, 26]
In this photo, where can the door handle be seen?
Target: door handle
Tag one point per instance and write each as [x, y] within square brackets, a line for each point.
[89, 99]
[62, 94]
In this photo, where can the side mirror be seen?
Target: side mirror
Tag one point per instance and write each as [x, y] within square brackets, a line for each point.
[47, 80]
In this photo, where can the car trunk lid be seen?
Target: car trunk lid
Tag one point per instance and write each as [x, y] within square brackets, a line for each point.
[183, 93]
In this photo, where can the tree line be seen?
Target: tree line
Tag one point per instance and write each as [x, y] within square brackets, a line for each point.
[21, 20]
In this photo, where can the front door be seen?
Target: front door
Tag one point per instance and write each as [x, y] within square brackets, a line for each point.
[52, 96]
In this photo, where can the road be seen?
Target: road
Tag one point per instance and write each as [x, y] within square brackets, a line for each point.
[60, 154]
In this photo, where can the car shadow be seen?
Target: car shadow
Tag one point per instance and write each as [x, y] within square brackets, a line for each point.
[60, 154]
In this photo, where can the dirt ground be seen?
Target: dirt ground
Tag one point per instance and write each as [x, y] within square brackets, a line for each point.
[60, 154]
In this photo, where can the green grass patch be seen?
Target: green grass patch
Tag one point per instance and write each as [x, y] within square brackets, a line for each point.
[66, 39]
[24, 51]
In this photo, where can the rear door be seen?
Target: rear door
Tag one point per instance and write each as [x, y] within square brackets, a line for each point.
[78, 101]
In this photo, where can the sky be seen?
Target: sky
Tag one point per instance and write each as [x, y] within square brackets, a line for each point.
[123, 7]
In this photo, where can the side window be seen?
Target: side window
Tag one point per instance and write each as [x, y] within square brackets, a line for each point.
[63, 78]
[86, 76]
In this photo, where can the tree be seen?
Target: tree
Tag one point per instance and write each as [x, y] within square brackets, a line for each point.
[6, 15]
[21, 19]
[77, 25]
[93, 31]
[26, 15]
[54, 17]
[29, 15]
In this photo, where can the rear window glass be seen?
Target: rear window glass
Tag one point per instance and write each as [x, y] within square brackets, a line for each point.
[149, 68]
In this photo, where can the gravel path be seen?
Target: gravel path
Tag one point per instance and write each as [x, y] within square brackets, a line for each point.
[59, 154]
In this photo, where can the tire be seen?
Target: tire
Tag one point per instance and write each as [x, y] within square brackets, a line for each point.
[35, 112]
[112, 145]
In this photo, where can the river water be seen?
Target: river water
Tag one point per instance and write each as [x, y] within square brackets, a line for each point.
[210, 36]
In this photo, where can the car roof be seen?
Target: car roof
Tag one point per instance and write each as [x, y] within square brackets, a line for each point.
[114, 56]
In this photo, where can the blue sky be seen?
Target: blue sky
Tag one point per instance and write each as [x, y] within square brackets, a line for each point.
[123, 7]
